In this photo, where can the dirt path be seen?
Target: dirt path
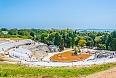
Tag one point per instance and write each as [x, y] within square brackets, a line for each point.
[111, 73]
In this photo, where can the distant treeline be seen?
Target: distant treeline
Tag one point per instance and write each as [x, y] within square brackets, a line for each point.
[65, 38]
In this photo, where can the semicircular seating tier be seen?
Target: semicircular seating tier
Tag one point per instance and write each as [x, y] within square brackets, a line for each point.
[7, 45]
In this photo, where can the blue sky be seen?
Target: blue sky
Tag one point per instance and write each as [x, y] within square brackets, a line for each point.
[73, 14]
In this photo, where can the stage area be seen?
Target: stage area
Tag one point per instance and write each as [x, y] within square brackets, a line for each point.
[69, 57]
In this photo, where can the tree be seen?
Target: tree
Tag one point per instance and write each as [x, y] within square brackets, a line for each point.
[89, 41]
[4, 29]
[113, 44]
[92, 34]
[61, 46]
[98, 40]
[38, 38]
[77, 39]
[102, 46]
[73, 41]
[113, 34]
[107, 41]
[43, 39]
[75, 51]
[32, 34]
[57, 39]
[13, 31]
[82, 43]
[67, 40]
[50, 38]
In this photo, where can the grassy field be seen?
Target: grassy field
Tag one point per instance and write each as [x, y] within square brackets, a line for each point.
[16, 71]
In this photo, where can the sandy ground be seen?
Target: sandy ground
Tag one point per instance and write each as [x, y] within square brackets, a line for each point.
[110, 73]
[47, 58]
[68, 57]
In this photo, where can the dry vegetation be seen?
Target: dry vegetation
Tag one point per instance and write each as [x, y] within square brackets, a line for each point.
[7, 39]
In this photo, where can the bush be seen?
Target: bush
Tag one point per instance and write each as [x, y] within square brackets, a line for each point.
[5, 75]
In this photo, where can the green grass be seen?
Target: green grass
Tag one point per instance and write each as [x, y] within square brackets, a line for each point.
[7, 70]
